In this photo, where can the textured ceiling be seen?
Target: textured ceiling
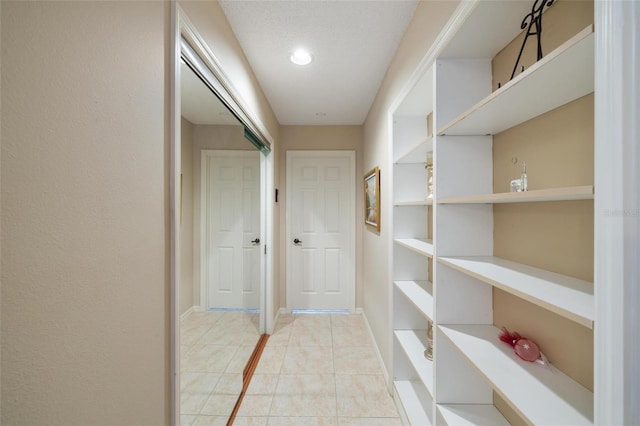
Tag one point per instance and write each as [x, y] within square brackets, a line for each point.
[352, 43]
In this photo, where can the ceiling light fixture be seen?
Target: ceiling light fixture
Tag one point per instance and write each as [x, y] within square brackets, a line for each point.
[301, 57]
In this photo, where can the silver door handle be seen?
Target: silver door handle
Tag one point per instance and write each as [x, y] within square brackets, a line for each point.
[297, 242]
[256, 241]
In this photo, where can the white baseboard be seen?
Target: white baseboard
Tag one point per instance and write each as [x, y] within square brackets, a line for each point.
[189, 311]
[281, 311]
[385, 373]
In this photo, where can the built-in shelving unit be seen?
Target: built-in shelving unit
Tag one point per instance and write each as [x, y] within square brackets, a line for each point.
[541, 394]
[413, 253]
[445, 270]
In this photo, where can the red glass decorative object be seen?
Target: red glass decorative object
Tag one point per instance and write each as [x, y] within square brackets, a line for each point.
[523, 347]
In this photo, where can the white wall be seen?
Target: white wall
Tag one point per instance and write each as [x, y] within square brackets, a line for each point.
[427, 22]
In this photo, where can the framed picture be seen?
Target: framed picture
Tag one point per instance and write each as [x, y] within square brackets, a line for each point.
[372, 198]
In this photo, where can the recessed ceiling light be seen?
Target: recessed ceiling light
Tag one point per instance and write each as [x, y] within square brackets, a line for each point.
[301, 57]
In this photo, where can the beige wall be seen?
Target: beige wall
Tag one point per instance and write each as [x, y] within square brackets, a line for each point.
[318, 138]
[84, 215]
[85, 308]
[427, 22]
[186, 218]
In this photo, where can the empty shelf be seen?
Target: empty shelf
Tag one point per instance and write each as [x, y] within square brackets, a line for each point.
[566, 296]
[414, 343]
[415, 400]
[472, 414]
[422, 246]
[420, 293]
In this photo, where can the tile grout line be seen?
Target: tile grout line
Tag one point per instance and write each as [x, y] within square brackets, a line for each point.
[333, 363]
[275, 390]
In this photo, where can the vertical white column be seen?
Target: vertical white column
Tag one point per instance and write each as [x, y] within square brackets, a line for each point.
[617, 212]
[174, 207]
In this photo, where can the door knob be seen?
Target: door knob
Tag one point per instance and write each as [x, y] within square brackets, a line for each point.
[256, 241]
[297, 242]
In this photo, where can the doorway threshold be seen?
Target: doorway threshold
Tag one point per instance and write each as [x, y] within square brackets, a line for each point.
[319, 311]
[249, 311]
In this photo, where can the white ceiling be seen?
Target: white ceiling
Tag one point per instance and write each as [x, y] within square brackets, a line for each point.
[352, 43]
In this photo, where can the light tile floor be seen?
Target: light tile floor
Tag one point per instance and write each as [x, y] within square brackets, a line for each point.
[316, 369]
[215, 347]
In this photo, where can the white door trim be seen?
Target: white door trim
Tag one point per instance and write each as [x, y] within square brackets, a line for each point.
[351, 156]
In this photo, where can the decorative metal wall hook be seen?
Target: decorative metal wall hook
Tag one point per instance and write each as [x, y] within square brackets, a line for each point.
[533, 22]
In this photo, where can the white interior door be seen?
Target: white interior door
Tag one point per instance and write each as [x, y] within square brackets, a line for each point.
[321, 229]
[231, 228]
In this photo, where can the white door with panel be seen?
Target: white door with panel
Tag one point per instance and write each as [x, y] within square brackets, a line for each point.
[321, 230]
[230, 216]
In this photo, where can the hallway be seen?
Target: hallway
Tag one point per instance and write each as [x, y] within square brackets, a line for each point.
[316, 369]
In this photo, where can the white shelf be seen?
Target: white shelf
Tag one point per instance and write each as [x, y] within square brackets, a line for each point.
[416, 154]
[552, 194]
[420, 293]
[472, 414]
[541, 395]
[422, 246]
[566, 296]
[562, 76]
[427, 202]
[414, 343]
[415, 401]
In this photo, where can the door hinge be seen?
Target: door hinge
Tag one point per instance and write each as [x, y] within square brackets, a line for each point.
[265, 249]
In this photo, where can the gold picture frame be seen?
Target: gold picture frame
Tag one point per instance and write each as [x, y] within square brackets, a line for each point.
[372, 198]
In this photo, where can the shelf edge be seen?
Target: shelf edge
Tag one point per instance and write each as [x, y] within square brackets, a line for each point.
[568, 193]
